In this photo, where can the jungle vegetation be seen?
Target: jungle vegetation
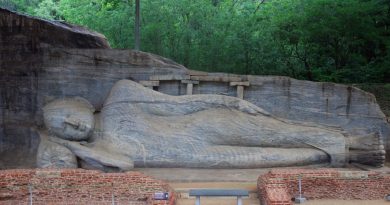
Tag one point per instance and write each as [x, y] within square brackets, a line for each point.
[344, 41]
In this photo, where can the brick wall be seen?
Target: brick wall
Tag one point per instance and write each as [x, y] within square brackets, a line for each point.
[278, 187]
[78, 186]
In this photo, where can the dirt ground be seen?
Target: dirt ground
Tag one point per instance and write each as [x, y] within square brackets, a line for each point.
[346, 202]
[182, 180]
[232, 201]
[217, 201]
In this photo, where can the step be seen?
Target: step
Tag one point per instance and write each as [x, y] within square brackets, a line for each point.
[203, 175]
[182, 189]
[183, 198]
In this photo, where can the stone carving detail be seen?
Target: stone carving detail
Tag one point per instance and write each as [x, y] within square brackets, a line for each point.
[139, 127]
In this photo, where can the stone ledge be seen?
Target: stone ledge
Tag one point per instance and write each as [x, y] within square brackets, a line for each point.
[190, 81]
[245, 83]
[226, 79]
[149, 83]
[169, 77]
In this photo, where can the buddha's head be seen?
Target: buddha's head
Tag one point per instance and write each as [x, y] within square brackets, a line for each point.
[70, 119]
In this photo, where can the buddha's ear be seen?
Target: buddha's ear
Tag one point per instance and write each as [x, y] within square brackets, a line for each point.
[86, 102]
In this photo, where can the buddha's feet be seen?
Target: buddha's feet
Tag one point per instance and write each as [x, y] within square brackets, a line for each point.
[368, 150]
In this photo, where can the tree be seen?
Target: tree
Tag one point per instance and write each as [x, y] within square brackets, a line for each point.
[344, 41]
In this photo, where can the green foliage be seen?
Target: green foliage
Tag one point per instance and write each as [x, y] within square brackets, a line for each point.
[345, 41]
[48, 9]
[110, 17]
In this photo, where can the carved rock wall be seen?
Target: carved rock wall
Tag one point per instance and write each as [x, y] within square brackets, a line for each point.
[41, 60]
[329, 104]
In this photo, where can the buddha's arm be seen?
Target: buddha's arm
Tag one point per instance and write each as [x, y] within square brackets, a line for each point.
[51, 154]
[97, 155]
[220, 101]
[188, 104]
[128, 92]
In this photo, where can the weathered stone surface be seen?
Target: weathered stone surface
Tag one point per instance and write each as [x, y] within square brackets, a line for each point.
[51, 154]
[245, 83]
[334, 105]
[190, 87]
[144, 128]
[139, 127]
[41, 61]
[38, 66]
[71, 119]
[240, 92]
[190, 81]
[169, 77]
[221, 78]
[149, 83]
[34, 34]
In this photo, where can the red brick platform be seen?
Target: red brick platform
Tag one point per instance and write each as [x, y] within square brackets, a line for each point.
[278, 187]
[78, 186]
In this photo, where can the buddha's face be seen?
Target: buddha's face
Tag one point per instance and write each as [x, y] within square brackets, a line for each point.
[70, 119]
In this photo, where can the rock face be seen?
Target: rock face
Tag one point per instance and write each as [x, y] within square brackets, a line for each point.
[41, 61]
[34, 34]
[139, 127]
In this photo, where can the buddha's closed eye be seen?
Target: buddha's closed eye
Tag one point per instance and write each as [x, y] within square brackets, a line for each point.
[72, 122]
[75, 123]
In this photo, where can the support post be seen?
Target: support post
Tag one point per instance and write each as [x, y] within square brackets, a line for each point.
[300, 199]
[189, 88]
[190, 85]
[137, 35]
[239, 200]
[30, 198]
[240, 88]
[112, 194]
[240, 91]
[197, 200]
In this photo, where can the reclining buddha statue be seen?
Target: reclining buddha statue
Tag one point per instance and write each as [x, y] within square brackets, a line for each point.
[139, 127]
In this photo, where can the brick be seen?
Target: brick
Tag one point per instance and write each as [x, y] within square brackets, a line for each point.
[77, 186]
[322, 184]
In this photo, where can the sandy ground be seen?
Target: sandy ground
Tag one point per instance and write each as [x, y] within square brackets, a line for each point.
[346, 202]
[215, 175]
[250, 186]
[232, 201]
[218, 201]
[182, 180]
